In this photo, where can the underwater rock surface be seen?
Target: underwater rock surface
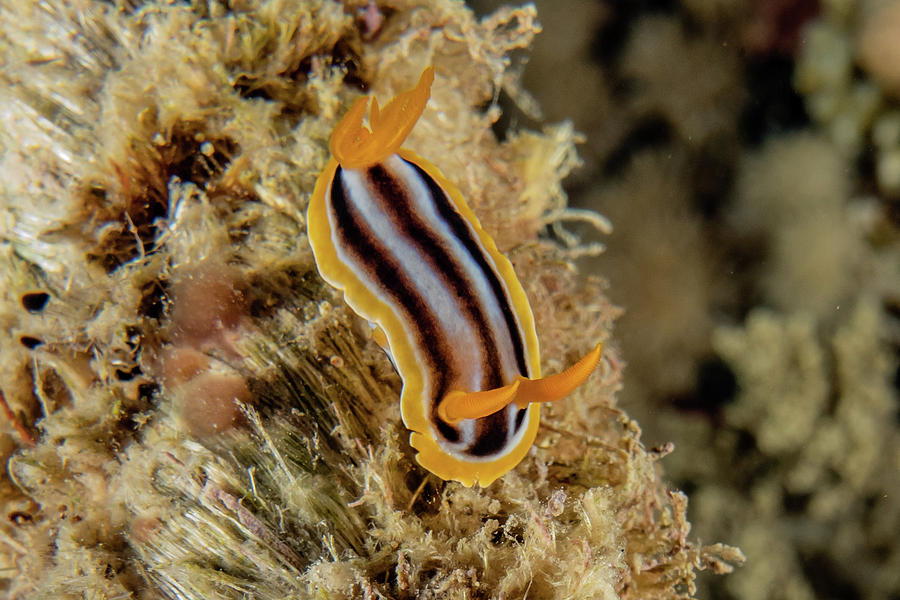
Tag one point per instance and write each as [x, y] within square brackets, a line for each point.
[192, 412]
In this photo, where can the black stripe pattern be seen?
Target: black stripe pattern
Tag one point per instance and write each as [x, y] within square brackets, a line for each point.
[401, 234]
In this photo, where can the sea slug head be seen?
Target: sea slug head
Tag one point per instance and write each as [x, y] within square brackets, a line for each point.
[354, 146]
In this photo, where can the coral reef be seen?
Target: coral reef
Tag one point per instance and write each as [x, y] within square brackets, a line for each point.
[664, 65]
[802, 463]
[847, 72]
[811, 504]
[193, 413]
[670, 249]
[748, 160]
[786, 210]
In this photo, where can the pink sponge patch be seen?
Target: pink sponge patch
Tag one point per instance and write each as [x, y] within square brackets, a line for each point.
[206, 300]
[211, 403]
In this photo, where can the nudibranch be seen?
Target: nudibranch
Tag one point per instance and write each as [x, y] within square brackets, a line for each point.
[390, 231]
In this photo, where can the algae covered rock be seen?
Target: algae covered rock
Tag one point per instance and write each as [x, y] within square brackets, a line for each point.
[192, 411]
